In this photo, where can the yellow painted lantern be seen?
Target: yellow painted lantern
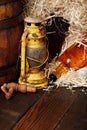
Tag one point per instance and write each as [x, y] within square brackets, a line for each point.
[34, 53]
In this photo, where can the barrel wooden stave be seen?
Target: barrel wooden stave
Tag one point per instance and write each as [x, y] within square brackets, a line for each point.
[9, 10]
[11, 29]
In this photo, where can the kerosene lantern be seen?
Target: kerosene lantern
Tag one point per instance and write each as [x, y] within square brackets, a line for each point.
[34, 53]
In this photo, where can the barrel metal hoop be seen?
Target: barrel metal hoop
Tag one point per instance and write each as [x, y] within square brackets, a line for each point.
[2, 2]
[7, 68]
[13, 21]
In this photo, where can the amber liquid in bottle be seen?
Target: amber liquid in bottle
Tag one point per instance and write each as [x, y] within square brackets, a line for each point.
[61, 69]
[74, 57]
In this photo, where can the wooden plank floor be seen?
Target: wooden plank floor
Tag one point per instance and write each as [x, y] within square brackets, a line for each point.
[76, 117]
[59, 109]
[56, 110]
[12, 110]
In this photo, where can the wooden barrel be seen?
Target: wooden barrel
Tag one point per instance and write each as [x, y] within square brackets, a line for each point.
[11, 29]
